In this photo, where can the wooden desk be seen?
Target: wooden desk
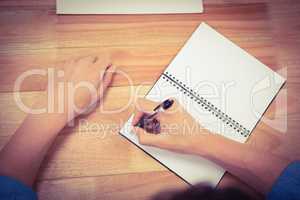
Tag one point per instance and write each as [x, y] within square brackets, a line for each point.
[99, 164]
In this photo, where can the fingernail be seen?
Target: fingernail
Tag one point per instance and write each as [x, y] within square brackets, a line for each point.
[134, 129]
[95, 59]
[109, 66]
[113, 68]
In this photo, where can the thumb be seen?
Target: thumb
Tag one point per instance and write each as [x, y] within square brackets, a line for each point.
[106, 80]
[141, 107]
[156, 140]
[145, 105]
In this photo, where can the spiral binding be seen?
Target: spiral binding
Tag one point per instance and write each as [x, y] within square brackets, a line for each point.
[179, 85]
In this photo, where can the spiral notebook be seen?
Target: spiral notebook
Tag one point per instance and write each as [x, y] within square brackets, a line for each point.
[222, 87]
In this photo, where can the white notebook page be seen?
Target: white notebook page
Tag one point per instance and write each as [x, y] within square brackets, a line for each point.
[226, 76]
[128, 6]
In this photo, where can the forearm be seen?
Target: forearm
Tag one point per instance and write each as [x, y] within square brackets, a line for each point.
[22, 156]
[257, 168]
[82, 83]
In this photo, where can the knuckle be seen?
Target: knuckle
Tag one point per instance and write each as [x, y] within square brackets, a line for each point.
[142, 139]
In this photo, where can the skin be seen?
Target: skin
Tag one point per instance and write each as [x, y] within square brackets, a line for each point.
[257, 167]
[22, 156]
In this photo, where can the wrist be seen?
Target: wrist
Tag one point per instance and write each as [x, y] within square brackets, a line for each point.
[202, 144]
[54, 105]
[209, 145]
[52, 109]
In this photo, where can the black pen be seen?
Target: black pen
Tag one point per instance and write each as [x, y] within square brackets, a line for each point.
[149, 123]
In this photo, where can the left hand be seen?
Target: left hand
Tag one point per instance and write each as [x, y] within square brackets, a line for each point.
[82, 83]
[86, 80]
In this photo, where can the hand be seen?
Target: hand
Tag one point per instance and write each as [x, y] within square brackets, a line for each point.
[86, 81]
[179, 131]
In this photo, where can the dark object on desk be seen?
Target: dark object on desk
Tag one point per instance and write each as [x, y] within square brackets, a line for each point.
[149, 122]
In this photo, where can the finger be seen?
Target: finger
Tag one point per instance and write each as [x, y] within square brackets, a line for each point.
[162, 140]
[102, 62]
[145, 105]
[142, 106]
[104, 67]
[86, 61]
[106, 80]
[136, 117]
[157, 140]
[108, 75]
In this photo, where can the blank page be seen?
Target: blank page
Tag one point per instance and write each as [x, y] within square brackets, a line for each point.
[212, 72]
[128, 6]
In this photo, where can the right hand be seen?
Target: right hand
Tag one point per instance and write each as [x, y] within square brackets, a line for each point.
[179, 131]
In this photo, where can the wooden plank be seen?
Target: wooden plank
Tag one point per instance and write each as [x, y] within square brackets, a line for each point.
[87, 155]
[286, 32]
[92, 154]
[140, 64]
[32, 36]
[36, 27]
[141, 186]
[137, 44]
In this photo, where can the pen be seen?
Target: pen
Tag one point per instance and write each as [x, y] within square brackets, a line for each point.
[149, 123]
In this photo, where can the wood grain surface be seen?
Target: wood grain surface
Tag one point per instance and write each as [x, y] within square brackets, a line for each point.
[90, 160]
